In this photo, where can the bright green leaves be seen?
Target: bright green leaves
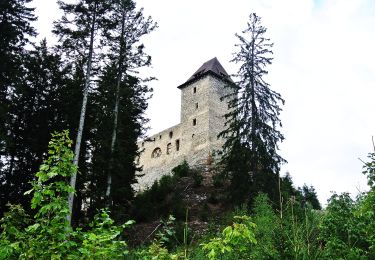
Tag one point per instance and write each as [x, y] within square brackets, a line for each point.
[49, 191]
[341, 229]
[49, 235]
[241, 233]
[216, 247]
[101, 241]
[235, 240]
[369, 170]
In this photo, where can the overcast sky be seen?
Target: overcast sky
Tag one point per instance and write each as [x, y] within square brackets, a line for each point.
[324, 67]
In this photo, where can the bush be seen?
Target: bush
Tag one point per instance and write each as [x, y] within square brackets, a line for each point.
[181, 170]
[341, 229]
[197, 177]
[49, 235]
[234, 242]
[161, 200]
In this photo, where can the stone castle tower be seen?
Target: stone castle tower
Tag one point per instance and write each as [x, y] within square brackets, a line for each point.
[195, 138]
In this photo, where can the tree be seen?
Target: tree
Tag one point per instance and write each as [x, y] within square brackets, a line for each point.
[49, 234]
[78, 39]
[342, 230]
[309, 196]
[133, 102]
[37, 109]
[129, 26]
[16, 32]
[252, 135]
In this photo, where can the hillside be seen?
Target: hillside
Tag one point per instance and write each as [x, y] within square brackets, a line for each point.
[187, 192]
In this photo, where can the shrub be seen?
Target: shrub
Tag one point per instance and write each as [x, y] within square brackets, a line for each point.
[341, 229]
[234, 241]
[197, 177]
[48, 235]
[181, 170]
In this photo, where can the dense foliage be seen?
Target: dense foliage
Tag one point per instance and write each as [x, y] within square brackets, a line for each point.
[164, 197]
[342, 231]
[88, 83]
[48, 234]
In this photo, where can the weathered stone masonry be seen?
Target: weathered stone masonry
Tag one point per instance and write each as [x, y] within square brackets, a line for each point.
[195, 138]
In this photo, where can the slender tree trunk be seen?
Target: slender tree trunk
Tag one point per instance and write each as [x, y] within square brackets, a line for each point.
[280, 197]
[11, 165]
[116, 110]
[77, 148]
[253, 109]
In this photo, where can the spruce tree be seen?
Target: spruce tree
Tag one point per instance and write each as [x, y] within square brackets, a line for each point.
[129, 25]
[309, 196]
[252, 135]
[133, 98]
[35, 112]
[78, 30]
[15, 32]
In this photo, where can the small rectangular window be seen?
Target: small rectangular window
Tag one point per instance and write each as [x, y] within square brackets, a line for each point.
[195, 90]
[196, 105]
[194, 121]
[177, 144]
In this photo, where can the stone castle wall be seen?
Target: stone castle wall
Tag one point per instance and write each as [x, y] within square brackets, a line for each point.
[202, 119]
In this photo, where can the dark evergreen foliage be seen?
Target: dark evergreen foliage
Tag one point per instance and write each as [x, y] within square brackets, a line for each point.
[252, 134]
[117, 97]
[310, 197]
[15, 33]
[78, 30]
[133, 99]
[128, 26]
[75, 27]
[38, 108]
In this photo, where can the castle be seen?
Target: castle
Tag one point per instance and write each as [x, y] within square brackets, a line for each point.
[195, 138]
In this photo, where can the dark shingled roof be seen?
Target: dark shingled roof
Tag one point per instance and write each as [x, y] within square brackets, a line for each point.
[212, 67]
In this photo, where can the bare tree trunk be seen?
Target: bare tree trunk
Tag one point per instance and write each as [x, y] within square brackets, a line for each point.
[77, 148]
[116, 110]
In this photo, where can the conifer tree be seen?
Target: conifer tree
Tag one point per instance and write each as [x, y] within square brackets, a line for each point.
[133, 98]
[309, 196]
[36, 111]
[129, 25]
[15, 32]
[252, 134]
[77, 31]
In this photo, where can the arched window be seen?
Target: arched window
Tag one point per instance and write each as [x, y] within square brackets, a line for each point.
[156, 153]
[169, 148]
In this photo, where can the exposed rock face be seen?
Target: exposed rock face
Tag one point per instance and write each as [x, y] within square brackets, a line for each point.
[195, 138]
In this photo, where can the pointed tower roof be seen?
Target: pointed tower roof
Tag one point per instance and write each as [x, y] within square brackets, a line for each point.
[212, 67]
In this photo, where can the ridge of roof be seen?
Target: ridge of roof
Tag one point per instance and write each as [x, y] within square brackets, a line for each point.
[212, 66]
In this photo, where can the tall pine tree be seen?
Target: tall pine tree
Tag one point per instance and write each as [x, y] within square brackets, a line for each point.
[37, 110]
[133, 98]
[252, 135]
[77, 31]
[129, 25]
[16, 32]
